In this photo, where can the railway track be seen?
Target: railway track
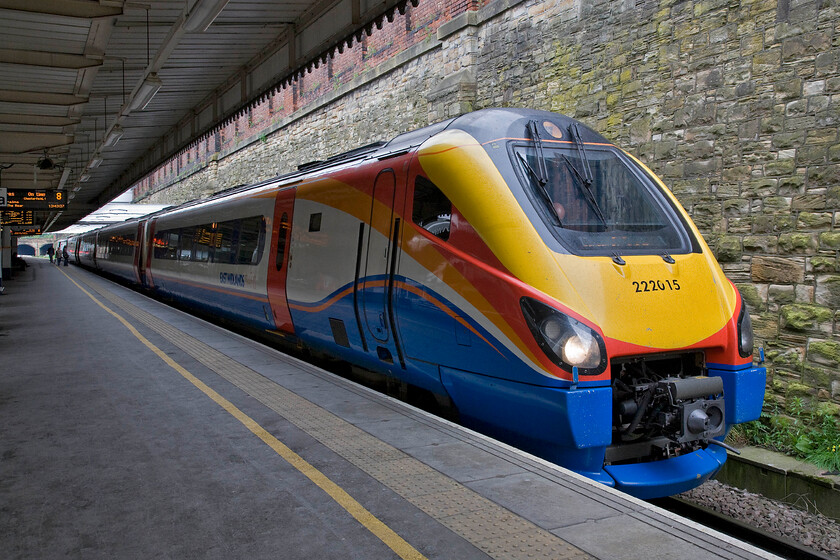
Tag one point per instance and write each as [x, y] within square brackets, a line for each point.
[780, 546]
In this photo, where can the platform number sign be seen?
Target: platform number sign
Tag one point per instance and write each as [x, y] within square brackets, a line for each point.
[3, 198]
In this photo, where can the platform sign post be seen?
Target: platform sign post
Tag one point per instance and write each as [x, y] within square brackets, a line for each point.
[3, 251]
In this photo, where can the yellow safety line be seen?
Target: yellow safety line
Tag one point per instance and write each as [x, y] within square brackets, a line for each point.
[354, 508]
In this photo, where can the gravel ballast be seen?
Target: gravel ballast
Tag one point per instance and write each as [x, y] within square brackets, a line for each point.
[813, 530]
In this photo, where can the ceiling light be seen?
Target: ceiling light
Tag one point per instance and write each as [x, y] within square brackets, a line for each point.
[95, 162]
[84, 177]
[147, 90]
[114, 136]
[202, 15]
[64, 176]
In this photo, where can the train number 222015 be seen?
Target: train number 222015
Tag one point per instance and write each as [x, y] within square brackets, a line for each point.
[656, 286]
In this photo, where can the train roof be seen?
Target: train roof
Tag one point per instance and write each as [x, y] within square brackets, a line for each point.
[484, 125]
[494, 124]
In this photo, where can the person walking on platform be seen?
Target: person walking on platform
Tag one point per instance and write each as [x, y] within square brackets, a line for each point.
[51, 253]
[65, 255]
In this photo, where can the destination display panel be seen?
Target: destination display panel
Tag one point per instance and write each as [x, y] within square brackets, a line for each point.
[17, 218]
[18, 231]
[33, 199]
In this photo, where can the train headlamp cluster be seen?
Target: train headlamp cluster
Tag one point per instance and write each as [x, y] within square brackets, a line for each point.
[745, 332]
[566, 341]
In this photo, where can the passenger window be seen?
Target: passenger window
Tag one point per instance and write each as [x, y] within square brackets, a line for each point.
[281, 240]
[249, 237]
[432, 210]
[172, 245]
[223, 242]
[160, 241]
[185, 247]
[201, 243]
[130, 244]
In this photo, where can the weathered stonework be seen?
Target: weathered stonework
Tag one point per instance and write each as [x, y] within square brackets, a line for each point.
[736, 104]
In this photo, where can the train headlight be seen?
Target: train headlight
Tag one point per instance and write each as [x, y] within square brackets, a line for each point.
[566, 341]
[582, 351]
[745, 332]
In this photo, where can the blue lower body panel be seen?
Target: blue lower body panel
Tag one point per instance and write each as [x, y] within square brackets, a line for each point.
[668, 477]
[573, 427]
[569, 427]
[245, 308]
[743, 389]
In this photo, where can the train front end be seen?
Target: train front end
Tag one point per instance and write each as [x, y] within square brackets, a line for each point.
[630, 352]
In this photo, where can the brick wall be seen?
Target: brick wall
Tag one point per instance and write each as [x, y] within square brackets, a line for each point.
[734, 104]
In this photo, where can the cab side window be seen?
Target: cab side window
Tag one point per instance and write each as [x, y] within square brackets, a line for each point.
[432, 210]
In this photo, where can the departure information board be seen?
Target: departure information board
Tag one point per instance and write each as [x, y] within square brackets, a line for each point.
[26, 231]
[25, 199]
[17, 218]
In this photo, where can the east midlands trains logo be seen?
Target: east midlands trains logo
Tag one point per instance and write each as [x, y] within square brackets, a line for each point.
[232, 279]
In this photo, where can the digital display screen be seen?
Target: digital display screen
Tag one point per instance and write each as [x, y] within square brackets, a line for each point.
[17, 218]
[24, 231]
[26, 199]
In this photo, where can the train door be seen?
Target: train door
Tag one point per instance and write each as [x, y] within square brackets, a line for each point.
[375, 276]
[95, 249]
[432, 330]
[139, 264]
[376, 284]
[278, 264]
[148, 246]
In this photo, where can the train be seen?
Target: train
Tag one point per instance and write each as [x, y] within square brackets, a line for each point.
[515, 264]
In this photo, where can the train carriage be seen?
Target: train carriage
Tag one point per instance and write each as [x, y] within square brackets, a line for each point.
[214, 256]
[116, 251]
[85, 245]
[514, 263]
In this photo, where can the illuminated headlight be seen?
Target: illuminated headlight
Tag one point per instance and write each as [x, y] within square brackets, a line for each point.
[566, 341]
[745, 332]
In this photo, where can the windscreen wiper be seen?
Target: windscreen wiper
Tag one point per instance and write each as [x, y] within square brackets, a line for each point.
[541, 190]
[587, 171]
[585, 181]
[535, 134]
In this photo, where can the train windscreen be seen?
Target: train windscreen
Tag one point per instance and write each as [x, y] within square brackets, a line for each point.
[600, 202]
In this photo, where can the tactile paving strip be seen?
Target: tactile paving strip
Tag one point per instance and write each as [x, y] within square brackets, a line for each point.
[486, 525]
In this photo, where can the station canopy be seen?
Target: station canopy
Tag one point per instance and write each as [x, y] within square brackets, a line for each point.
[97, 94]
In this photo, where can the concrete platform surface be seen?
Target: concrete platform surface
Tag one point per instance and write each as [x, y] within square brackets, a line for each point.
[129, 429]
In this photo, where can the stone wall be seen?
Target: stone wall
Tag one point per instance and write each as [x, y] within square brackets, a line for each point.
[735, 104]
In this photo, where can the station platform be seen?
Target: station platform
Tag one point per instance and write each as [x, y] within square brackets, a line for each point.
[129, 429]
